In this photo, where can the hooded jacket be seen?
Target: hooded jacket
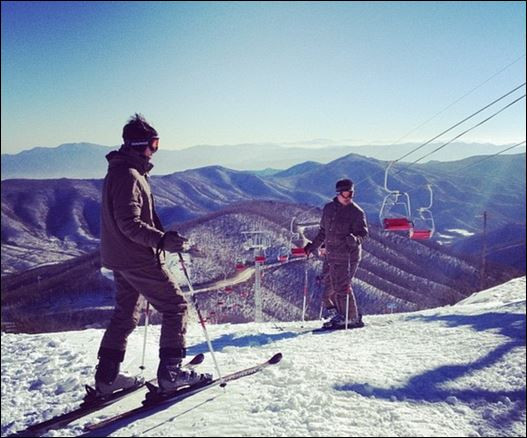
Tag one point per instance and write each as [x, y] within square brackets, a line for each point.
[130, 227]
[342, 229]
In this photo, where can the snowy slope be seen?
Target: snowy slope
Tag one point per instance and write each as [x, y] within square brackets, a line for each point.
[451, 371]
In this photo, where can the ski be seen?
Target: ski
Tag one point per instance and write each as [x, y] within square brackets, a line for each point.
[155, 398]
[335, 329]
[92, 403]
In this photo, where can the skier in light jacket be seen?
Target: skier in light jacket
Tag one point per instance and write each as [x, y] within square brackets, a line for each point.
[130, 234]
[342, 230]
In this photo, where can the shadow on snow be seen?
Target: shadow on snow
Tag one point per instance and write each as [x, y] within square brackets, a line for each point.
[233, 340]
[429, 386]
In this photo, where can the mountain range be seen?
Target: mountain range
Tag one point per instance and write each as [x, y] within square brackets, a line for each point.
[396, 275]
[86, 160]
[45, 221]
[50, 236]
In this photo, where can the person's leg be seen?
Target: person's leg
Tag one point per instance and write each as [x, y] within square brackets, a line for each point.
[160, 288]
[355, 258]
[341, 282]
[124, 319]
[329, 293]
[113, 344]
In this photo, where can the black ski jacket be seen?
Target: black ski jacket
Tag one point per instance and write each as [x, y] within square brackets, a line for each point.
[342, 229]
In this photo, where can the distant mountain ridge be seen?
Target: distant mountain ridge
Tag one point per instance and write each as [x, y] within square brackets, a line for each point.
[71, 160]
[46, 221]
[87, 160]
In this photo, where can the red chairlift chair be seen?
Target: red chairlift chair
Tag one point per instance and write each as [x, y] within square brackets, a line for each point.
[259, 255]
[420, 234]
[395, 213]
[283, 255]
[298, 252]
[396, 224]
[424, 226]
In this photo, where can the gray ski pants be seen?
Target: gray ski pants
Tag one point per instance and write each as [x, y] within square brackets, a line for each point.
[160, 288]
[337, 277]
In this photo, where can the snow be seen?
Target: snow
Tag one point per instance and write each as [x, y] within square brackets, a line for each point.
[462, 232]
[450, 371]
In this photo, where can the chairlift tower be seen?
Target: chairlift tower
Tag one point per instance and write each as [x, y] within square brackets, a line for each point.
[258, 242]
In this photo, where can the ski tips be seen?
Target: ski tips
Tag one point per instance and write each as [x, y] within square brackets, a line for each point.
[197, 359]
[275, 359]
[151, 387]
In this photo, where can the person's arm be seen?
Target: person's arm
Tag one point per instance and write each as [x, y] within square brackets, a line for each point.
[360, 228]
[127, 204]
[320, 237]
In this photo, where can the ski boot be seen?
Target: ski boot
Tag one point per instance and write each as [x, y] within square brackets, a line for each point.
[330, 313]
[334, 320]
[340, 323]
[171, 376]
[108, 380]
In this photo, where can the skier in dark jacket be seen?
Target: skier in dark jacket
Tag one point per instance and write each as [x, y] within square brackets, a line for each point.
[343, 227]
[130, 233]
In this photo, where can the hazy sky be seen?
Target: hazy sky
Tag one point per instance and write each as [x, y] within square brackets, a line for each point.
[284, 72]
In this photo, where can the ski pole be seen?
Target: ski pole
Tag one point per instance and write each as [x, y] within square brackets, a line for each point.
[147, 311]
[347, 308]
[319, 289]
[305, 293]
[201, 320]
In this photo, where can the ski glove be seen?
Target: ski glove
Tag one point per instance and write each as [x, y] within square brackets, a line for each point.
[308, 248]
[194, 251]
[173, 242]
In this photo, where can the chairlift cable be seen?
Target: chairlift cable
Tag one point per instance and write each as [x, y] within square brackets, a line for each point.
[507, 246]
[463, 133]
[462, 121]
[456, 101]
[447, 130]
[472, 164]
[477, 162]
[489, 156]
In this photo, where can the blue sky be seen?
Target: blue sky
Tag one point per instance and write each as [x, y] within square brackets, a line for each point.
[284, 72]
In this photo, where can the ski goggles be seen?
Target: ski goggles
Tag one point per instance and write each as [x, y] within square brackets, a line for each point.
[349, 194]
[153, 143]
